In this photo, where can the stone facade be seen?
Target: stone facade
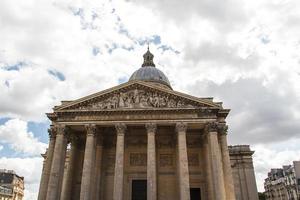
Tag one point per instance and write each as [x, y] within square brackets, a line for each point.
[138, 140]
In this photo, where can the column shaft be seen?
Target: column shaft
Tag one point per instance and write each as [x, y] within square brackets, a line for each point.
[216, 162]
[182, 162]
[228, 179]
[67, 184]
[97, 169]
[47, 166]
[57, 164]
[119, 164]
[85, 191]
[151, 163]
[210, 192]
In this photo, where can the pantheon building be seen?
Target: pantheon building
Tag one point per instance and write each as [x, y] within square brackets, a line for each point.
[143, 140]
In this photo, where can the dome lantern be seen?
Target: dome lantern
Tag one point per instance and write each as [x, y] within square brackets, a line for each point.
[149, 73]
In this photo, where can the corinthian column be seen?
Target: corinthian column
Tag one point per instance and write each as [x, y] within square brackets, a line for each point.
[151, 162]
[85, 191]
[67, 184]
[58, 163]
[47, 166]
[216, 161]
[182, 162]
[228, 179]
[119, 164]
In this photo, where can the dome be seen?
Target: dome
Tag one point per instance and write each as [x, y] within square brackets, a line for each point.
[152, 74]
[148, 72]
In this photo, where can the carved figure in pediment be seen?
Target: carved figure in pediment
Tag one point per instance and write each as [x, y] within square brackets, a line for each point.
[115, 101]
[136, 96]
[122, 100]
[143, 100]
[171, 103]
[156, 101]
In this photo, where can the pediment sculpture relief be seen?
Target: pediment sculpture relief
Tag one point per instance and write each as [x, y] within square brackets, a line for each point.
[137, 98]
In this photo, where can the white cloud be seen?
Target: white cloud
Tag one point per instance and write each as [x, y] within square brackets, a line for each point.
[15, 133]
[30, 169]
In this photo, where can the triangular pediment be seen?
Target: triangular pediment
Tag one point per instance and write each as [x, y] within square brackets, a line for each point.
[137, 95]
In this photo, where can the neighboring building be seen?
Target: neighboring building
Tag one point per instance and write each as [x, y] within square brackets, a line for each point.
[143, 140]
[12, 185]
[283, 183]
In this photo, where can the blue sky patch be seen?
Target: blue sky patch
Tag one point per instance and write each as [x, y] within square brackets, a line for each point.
[122, 79]
[96, 51]
[168, 48]
[14, 67]
[39, 130]
[57, 74]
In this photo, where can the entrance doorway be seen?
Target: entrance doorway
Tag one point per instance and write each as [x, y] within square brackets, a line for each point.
[195, 193]
[139, 190]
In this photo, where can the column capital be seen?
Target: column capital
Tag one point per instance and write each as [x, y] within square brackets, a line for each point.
[151, 127]
[181, 127]
[211, 127]
[120, 128]
[61, 129]
[90, 129]
[222, 129]
[52, 132]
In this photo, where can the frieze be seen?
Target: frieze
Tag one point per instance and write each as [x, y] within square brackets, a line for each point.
[138, 159]
[136, 98]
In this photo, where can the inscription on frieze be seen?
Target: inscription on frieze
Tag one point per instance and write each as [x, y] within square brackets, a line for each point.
[138, 159]
[193, 159]
[165, 160]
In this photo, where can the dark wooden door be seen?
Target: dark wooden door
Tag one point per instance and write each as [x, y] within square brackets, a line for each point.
[195, 193]
[139, 190]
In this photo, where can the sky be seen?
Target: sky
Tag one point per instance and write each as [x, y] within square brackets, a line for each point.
[243, 53]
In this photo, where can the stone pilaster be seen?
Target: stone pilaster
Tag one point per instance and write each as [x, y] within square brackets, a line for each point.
[228, 179]
[151, 162]
[67, 184]
[57, 167]
[216, 161]
[182, 162]
[47, 166]
[119, 164]
[85, 191]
